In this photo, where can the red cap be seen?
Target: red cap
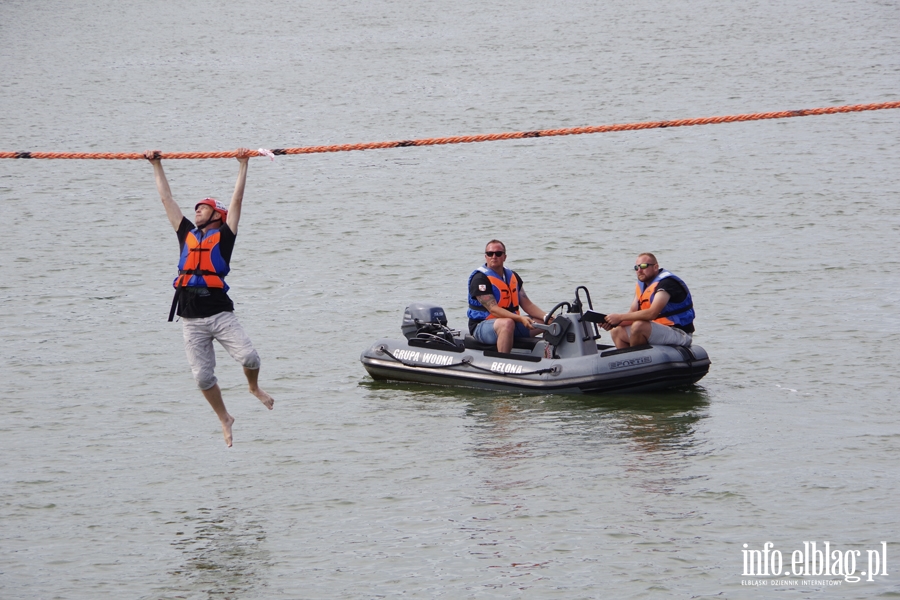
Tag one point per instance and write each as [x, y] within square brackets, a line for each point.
[216, 206]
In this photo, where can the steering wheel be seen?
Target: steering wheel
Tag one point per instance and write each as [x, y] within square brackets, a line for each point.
[557, 307]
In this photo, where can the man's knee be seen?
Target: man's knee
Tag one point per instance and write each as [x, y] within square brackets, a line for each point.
[641, 328]
[205, 379]
[251, 360]
[504, 325]
[619, 337]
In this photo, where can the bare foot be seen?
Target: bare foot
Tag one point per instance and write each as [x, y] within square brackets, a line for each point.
[226, 430]
[267, 400]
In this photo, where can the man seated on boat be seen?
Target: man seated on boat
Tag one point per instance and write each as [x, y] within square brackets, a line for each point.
[495, 295]
[662, 312]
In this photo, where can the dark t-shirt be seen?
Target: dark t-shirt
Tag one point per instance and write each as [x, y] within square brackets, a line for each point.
[481, 285]
[677, 294]
[198, 302]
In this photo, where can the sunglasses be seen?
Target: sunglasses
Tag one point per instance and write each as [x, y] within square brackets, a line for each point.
[640, 266]
[498, 253]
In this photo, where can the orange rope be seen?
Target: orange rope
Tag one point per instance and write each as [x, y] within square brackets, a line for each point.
[466, 139]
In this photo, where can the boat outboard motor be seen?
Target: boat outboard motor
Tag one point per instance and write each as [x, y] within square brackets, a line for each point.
[420, 317]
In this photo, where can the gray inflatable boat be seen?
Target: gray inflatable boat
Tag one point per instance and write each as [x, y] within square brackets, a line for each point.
[566, 359]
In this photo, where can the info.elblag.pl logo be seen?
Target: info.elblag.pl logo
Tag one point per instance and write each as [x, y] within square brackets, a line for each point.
[814, 560]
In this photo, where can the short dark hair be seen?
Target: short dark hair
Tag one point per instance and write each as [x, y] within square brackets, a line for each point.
[495, 242]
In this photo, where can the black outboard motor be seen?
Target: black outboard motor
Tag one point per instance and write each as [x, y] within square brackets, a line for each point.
[420, 317]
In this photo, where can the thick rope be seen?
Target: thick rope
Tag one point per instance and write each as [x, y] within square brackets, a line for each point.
[467, 139]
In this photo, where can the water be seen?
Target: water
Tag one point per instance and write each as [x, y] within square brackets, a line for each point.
[115, 481]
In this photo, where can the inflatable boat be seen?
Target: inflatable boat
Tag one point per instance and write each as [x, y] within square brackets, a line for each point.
[565, 359]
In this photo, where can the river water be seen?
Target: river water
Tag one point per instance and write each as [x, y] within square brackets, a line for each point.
[114, 481]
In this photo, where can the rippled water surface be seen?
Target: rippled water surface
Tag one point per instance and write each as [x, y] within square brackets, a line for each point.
[114, 481]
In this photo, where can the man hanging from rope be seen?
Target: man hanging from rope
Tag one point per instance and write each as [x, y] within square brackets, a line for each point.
[201, 294]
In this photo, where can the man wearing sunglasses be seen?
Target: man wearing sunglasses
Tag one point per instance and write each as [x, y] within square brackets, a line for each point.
[495, 295]
[662, 312]
[201, 294]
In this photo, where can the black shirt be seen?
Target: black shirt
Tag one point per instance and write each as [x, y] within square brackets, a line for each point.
[200, 302]
[676, 291]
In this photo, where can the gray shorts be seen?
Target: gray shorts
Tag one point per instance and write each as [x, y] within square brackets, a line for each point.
[198, 345]
[663, 335]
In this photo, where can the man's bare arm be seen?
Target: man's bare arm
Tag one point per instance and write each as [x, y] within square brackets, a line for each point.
[487, 301]
[530, 307]
[636, 314]
[165, 193]
[237, 198]
[490, 304]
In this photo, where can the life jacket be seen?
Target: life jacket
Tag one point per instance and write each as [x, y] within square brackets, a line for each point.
[680, 314]
[506, 294]
[201, 265]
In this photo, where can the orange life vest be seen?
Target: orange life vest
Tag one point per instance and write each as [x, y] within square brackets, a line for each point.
[201, 263]
[506, 294]
[509, 293]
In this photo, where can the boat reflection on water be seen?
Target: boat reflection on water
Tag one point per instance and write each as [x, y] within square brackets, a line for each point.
[659, 429]
[532, 481]
[661, 432]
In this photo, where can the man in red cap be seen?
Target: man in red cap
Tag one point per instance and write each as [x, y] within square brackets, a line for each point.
[201, 294]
